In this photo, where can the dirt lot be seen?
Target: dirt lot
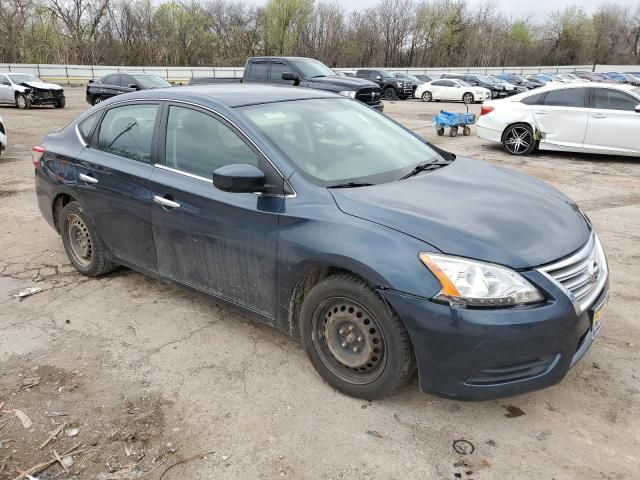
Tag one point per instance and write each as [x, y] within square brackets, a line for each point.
[151, 375]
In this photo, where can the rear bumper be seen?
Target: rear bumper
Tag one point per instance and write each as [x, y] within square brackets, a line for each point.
[488, 133]
[478, 354]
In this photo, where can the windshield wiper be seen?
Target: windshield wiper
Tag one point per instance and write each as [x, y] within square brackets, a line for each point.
[422, 167]
[318, 76]
[350, 185]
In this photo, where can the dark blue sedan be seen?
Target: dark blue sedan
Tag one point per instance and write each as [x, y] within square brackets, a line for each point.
[327, 220]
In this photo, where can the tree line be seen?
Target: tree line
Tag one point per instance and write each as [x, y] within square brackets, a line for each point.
[397, 33]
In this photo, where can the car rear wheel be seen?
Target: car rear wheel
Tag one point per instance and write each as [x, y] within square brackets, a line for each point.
[97, 99]
[518, 139]
[84, 247]
[22, 102]
[468, 98]
[390, 93]
[353, 340]
[427, 97]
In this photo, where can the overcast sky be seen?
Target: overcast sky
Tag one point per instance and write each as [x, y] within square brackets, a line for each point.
[534, 9]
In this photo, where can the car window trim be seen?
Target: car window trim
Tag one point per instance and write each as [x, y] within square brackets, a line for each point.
[153, 151]
[161, 138]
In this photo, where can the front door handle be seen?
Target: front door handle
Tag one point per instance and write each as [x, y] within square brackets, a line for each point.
[599, 115]
[88, 178]
[165, 202]
[541, 112]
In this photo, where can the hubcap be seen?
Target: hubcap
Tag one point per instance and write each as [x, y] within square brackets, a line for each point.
[79, 240]
[427, 96]
[468, 98]
[97, 100]
[21, 101]
[518, 140]
[349, 340]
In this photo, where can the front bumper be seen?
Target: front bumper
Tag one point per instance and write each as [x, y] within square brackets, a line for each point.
[479, 354]
[46, 98]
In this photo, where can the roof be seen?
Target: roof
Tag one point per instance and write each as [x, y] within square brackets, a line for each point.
[233, 94]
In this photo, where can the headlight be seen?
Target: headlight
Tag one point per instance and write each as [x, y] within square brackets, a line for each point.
[478, 284]
[348, 93]
[399, 84]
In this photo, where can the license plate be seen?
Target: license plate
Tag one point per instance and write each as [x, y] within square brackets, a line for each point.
[598, 318]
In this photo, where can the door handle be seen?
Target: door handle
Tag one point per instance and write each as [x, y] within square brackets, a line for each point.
[541, 112]
[165, 202]
[88, 178]
[599, 115]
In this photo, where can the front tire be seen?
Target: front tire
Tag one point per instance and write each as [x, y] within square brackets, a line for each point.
[427, 97]
[353, 340]
[97, 99]
[84, 247]
[22, 102]
[467, 98]
[60, 103]
[390, 93]
[518, 139]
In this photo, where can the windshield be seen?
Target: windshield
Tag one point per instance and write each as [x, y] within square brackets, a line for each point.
[312, 68]
[339, 141]
[23, 77]
[484, 79]
[151, 81]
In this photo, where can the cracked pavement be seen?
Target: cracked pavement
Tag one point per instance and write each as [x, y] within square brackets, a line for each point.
[146, 368]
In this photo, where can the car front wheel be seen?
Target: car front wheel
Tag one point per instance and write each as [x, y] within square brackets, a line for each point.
[390, 93]
[97, 99]
[518, 139]
[22, 102]
[353, 340]
[84, 247]
[427, 97]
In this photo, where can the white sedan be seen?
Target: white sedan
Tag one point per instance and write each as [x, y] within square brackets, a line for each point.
[452, 89]
[586, 117]
[3, 136]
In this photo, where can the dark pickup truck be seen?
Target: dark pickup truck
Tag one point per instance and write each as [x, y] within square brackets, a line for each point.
[303, 72]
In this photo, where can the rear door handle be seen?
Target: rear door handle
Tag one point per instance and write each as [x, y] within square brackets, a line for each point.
[541, 112]
[88, 178]
[599, 115]
[165, 202]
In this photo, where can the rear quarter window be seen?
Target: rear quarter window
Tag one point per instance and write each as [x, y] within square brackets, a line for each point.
[85, 127]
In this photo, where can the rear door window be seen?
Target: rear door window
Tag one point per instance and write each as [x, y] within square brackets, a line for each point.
[609, 99]
[259, 71]
[567, 97]
[128, 131]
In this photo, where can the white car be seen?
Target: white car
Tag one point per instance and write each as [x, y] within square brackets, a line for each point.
[3, 136]
[452, 89]
[24, 90]
[586, 117]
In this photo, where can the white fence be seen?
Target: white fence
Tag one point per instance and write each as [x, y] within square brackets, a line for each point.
[82, 73]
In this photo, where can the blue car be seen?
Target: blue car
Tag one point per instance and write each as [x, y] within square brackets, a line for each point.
[319, 216]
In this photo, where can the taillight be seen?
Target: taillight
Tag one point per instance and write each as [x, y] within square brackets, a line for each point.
[486, 109]
[36, 154]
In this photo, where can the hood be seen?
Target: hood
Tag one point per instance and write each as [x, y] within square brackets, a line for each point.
[41, 85]
[477, 210]
[348, 83]
[481, 90]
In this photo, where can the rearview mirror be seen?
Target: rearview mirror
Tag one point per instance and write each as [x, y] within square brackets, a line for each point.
[291, 77]
[637, 108]
[239, 178]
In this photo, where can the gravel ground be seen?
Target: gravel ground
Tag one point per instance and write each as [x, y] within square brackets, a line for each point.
[153, 376]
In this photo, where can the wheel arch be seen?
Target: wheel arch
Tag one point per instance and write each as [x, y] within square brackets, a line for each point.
[519, 122]
[59, 202]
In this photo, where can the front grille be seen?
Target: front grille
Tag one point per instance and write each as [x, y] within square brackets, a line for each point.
[368, 95]
[513, 373]
[582, 275]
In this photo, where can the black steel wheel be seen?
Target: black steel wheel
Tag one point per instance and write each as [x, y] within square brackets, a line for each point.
[60, 103]
[468, 98]
[352, 339]
[390, 93]
[518, 139]
[84, 247]
[427, 97]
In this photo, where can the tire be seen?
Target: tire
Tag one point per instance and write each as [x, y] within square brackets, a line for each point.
[390, 93]
[83, 245]
[345, 315]
[518, 139]
[467, 98]
[60, 103]
[427, 97]
[402, 97]
[22, 102]
[440, 131]
[466, 131]
[453, 132]
[97, 99]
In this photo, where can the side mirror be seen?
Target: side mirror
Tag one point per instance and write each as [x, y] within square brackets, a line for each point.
[239, 178]
[292, 77]
[637, 109]
[134, 86]
[378, 77]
